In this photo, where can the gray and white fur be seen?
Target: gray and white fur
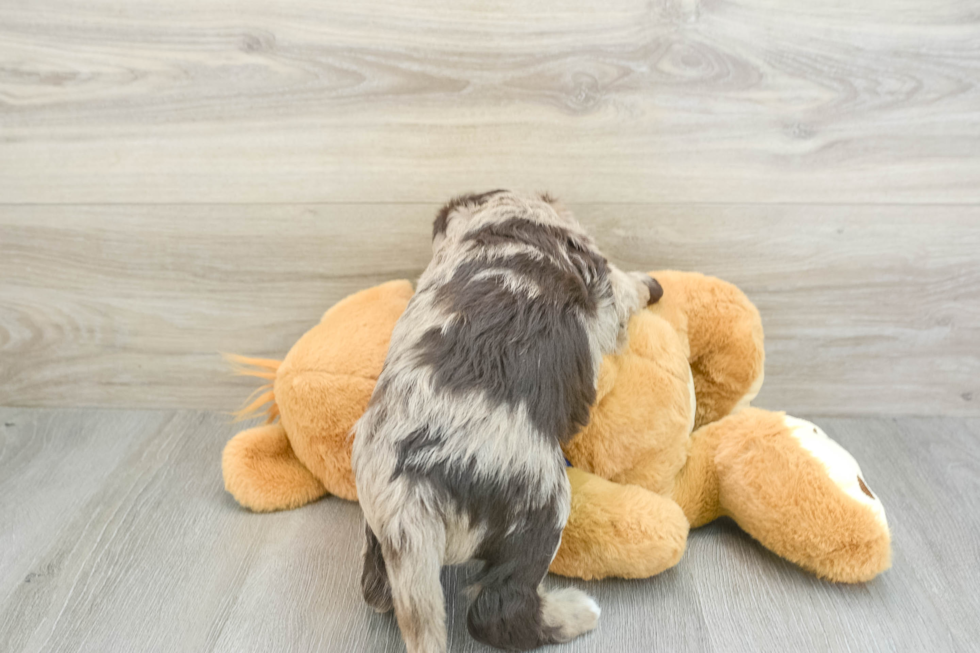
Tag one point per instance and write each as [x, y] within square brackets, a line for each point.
[492, 367]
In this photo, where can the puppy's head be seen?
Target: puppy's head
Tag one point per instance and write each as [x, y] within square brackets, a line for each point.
[454, 218]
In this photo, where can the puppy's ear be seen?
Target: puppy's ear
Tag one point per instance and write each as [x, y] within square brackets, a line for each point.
[656, 290]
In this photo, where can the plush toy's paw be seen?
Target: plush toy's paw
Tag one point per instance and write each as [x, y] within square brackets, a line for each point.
[263, 474]
[618, 530]
[842, 469]
[802, 496]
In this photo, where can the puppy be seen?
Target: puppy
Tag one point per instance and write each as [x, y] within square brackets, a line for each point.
[492, 367]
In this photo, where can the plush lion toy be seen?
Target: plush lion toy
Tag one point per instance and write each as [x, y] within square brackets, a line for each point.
[672, 443]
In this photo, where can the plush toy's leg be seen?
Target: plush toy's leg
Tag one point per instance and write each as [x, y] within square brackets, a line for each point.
[263, 474]
[696, 487]
[797, 492]
[724, 333]
[618, 530]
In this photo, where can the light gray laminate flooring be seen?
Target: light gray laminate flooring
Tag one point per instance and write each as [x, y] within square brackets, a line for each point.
[117, 536]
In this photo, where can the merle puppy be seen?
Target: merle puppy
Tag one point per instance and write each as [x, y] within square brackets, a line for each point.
[491, 368]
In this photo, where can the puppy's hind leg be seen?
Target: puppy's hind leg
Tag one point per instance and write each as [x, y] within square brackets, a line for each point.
[414, 560]
[374, 578]
[511, 609]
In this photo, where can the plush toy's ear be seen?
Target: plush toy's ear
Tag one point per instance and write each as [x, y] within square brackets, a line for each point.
[723, 330]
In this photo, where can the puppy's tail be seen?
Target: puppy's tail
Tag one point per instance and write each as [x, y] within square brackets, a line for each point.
[413, 571]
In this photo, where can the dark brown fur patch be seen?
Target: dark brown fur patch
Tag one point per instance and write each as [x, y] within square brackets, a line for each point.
[552, 241]
[442, 217]
[656, 291]
[517, 349]
[864, 488]
[374, 577]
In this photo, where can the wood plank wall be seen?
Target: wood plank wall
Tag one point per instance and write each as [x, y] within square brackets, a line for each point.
[186, 177]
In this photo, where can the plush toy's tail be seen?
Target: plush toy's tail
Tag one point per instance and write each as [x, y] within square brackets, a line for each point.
[259, 466]
[263, 400]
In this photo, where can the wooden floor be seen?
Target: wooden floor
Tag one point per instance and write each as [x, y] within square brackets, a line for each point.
[117, 536]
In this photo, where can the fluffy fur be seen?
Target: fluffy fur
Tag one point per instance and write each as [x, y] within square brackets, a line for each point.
[492, 367]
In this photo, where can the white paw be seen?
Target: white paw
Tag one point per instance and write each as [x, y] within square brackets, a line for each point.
[842, 469]
[571, 612]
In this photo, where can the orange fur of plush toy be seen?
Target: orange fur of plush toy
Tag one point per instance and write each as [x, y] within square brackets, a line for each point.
[640, 478]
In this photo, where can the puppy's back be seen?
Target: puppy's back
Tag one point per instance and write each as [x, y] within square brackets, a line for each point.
[492, 366]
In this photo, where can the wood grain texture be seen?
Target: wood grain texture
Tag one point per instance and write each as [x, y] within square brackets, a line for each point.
[867, 309]
[404, 100]
[118, 537]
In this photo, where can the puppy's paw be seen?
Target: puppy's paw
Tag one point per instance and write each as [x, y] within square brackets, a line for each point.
[568, 613]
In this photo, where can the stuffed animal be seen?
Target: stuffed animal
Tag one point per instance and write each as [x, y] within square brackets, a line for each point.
[672, 443]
